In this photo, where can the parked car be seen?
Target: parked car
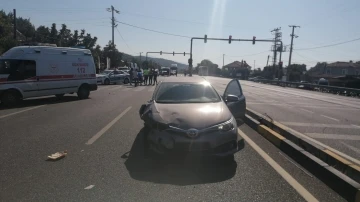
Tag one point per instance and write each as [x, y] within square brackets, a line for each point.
[33, 71]
[113, 77]
[189, 117]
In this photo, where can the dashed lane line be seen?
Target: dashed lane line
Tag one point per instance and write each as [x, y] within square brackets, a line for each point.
[107, 127]
[18, 112]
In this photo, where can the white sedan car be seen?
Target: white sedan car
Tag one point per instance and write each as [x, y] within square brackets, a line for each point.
[113, 77]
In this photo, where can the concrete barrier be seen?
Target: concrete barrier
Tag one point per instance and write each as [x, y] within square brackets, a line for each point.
[338, 172]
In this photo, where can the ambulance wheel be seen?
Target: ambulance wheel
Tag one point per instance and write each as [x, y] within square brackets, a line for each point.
[107, 82]
[83, 92]
[59, 96]
[10, 98]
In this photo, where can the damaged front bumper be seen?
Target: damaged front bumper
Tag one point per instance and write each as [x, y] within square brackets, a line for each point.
[209, 143]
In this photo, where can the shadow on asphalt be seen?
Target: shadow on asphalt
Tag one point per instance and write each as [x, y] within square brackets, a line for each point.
[42, 101]
[175, 170]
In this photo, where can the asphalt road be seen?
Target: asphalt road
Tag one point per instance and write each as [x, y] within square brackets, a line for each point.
[327, 118]
[105, 161]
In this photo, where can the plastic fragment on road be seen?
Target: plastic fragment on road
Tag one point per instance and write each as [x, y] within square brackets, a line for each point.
[89, 187]
[58, 155]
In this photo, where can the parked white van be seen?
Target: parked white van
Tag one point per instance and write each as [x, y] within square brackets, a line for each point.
[33, 71]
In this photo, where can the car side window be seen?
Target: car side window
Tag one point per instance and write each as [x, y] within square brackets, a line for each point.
[233, 88]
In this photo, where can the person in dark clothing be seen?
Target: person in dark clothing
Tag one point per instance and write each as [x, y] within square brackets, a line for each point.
[151, 73]
[131, 75]
[155, 74]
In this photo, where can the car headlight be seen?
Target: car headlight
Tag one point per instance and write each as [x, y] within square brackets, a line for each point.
[226, 126]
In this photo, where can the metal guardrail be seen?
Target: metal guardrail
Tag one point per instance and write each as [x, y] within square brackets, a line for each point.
[312, 86]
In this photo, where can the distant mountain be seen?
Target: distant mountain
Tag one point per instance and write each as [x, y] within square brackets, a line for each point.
[160, 61]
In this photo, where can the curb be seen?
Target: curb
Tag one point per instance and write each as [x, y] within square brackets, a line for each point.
[338, 173]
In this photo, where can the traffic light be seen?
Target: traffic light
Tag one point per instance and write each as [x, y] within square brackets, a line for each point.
[184, 53]
[254, 37]
[230, 37]
[173, 53]
[280, 65]
[160, 52]
[205, 38]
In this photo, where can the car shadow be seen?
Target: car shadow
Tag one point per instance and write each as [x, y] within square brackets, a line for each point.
[42, 101]
[175, 170]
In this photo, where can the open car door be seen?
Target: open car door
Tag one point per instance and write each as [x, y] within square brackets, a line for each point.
[235, 100]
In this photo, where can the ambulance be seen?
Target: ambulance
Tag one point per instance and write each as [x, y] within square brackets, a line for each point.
[34, 71]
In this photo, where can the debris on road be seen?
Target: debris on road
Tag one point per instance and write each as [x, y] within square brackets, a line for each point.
[57, 155]
[89, 187]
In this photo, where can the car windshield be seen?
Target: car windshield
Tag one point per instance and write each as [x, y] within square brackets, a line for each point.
[186, 93]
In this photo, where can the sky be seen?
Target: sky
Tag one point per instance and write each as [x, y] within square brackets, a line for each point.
[322, 22]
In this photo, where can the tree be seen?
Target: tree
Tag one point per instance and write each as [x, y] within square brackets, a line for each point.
[295, 72]
[42, 34]
[53, 37]
[111, 52]
[65, 36]
[25, 27]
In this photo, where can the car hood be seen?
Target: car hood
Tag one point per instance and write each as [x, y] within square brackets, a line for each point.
[190, 115]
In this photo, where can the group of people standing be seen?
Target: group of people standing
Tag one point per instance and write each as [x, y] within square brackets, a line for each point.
[145, 76]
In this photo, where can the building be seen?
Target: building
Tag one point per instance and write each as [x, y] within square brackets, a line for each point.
[344, 74]
[237, 69]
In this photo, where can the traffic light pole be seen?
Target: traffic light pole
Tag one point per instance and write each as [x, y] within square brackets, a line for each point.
[225, 39]
[168, 53]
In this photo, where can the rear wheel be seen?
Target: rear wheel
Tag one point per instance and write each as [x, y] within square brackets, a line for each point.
[107, 81]
[83, 92]
[59, 96]
[126, 81]
[10, 98]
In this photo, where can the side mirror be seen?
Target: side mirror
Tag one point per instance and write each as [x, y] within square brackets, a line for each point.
[231, 98]
[142, 109]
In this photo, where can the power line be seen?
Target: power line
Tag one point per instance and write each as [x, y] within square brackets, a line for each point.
[153, 30]
[124, 40]
[248, 55]
[336, 44]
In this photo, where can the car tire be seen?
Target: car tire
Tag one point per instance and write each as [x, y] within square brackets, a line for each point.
[126, 81]
[83, 92]
[107, 81]
[59, 96]
[10, 98]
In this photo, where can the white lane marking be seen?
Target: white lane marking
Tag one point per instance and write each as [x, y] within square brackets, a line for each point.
[116, 88]
[28, 109]
[355, 125]
[89, 187]
[295, 184]
[107, 127]
[352, 147]
[105, 87]
[333, 136]
[320, 125]
[334, 119]
[305, 110]
[126, 89]
[139, 88]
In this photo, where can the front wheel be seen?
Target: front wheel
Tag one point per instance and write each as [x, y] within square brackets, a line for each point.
[107, 81]
[10, 98]
[126, 81]
[83, 92]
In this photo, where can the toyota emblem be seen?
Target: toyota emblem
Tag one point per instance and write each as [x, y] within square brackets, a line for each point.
[192, 132]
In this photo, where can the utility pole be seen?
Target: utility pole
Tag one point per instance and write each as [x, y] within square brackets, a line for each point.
[292, 39]
[254, 64]
[267, 62]
[223, 60]
[15, 24]
[112, 9]
[140, 59]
